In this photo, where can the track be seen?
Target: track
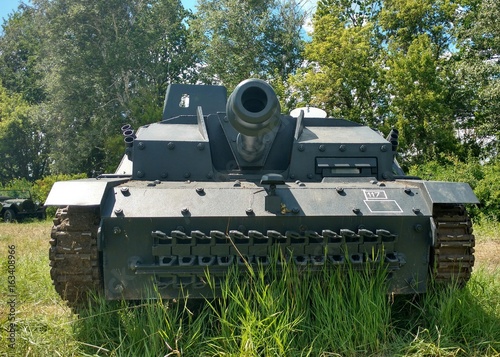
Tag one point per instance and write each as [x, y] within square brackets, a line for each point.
[74, 258]
[453, 253]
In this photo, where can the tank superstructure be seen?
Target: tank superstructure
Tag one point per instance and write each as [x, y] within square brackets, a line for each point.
[228, 181]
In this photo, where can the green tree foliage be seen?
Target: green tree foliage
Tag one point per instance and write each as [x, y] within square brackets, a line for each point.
[405, 20]
[421, 103]
[343, 71]
[107, 62]
[477, 72]
[20, 55]
[241, 39]
[23, 144]
[418, 106]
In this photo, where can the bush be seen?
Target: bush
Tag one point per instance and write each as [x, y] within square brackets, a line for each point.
[483, 178]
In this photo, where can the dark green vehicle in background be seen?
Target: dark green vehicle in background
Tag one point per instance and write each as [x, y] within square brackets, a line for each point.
[19, 204]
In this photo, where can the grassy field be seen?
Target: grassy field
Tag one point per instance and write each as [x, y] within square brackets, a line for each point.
[296, 315]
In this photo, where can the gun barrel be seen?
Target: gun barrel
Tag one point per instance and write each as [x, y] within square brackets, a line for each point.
[253, 110]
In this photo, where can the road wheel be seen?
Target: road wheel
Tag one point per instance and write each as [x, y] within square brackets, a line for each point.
[9, 215]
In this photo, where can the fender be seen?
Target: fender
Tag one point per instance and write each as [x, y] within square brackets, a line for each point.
[86, 192]
[439, 192]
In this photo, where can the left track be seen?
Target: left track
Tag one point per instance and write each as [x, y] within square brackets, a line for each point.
[74, 259]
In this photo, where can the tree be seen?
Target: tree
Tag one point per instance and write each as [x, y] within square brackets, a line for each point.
[104, 59]
[405, 20]
[241, 39]
[417, 72]
[20, 55]
[343, 71]
[477, 70]
[418, 107]
[23, 145]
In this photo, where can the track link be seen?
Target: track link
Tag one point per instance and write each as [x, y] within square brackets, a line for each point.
[74, 258]
[453, 251]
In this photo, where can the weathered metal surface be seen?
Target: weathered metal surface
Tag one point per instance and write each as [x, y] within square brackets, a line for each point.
[85, 192]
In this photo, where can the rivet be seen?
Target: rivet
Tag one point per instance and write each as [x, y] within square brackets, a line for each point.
[322, 147]
[210, 175]
[418, 227]
[407, 190]
[185, 210]
[342, 148]
[380, 184]
[383, 148]
[124, 190]
[141, 146]
[201, 146]
[416, 210]
[356, 210]
[310, 176]
[301, 147]
[116, 230]
[140, 174]
[200, 190]
[339, 189]
[157, 182]
[187, 174]
[164, 174]
[362, 148]
[171, 146]
[249, 211]
[118, 211]
[295, 210]
[237, 183]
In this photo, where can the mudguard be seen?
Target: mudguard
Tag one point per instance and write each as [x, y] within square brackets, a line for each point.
[87, 192]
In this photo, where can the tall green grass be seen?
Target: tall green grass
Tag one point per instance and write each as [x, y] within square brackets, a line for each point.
[451, 321]
[276, 310]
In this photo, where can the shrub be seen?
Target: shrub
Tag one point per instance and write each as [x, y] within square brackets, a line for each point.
[483, 178]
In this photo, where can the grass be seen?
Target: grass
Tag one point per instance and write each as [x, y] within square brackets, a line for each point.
[266, 313]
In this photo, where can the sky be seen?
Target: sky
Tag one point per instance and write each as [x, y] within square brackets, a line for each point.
[7, 7]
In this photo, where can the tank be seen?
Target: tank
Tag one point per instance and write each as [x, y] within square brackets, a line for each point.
[224, 181]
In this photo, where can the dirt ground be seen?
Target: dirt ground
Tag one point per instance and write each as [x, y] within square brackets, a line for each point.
[488, 254]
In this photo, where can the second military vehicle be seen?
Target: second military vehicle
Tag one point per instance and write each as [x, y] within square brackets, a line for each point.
[15, 205]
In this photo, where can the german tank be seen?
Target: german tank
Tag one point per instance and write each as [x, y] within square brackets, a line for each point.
[219, 182]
